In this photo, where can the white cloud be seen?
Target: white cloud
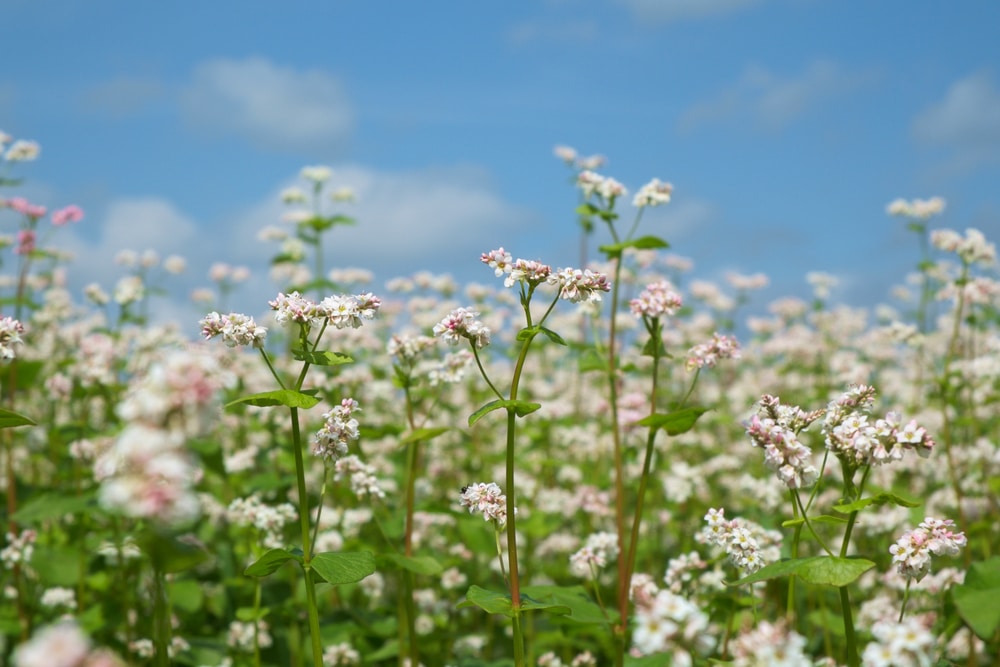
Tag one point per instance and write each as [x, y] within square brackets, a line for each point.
[139, 224]
[272, 106]
[438, 220]
[772, 101]
[966, 121]
[664, 11]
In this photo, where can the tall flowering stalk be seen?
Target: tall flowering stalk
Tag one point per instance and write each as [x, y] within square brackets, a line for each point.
[330, 443]
[462, 324]
[600, 195]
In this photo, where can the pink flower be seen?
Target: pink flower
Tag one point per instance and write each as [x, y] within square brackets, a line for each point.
[25, 242]
[23, 206]
[64, 216]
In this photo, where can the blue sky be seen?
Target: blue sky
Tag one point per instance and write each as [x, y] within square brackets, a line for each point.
[786, 126]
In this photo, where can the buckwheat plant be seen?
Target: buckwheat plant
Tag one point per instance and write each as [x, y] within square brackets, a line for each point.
[462, 324]
[309, 320]
[860, 444]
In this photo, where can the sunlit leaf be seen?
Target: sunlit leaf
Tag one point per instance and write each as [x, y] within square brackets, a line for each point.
[880, 499]
[287, 397]
[338, 567]
[822, 570]
[521, 408]
[676, 422]
[322, 357]
[270, 562]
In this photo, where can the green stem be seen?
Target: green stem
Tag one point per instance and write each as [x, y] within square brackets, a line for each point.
[161, 620]
[313, 612]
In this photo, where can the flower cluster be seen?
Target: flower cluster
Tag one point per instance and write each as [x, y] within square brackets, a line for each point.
[236, 329]
[973, 248]
[339, 428]
[775, 428]
[486, 498]
[933, 537]
[906, 644]
[594, 555]
[739, 538]
[653, 193]
[658, 299]
[10, 338]
[462, 323]
[520, 270]
[855, 440]
[605, 187]
[708, 354]
[340, 654]
[270, 520]
[667, 623]
[768, 645]
[576, 285]
[19, 549]
[919, 209]
[361, 475]
[340, 310]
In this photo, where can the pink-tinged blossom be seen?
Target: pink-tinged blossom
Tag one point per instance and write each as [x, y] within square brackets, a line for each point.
[462, 323]
[65, 216]
[294, 308]
[25, 242]
[486, 498]
[933, 537]
[657, 300]
[775, 429]
[565, 153]
[339, 429]
[10, 339]
[576, 285]
[499, 260]
[26, 208]
[59, 645]
[708, 354]
[596, 553]
[906, 644]
[748, 545]
[654, 193]
[236, 329]
[858, 441]
[972, 248]
[591, 162]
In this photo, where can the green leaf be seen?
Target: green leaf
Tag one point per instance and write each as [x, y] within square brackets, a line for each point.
[520, 408]
[976, 599]
[823, 570]
[823, 518]
[654, 347]
[322, 357]
[642, 243]
[343, 567]
[591, 360]
[489, 601]
[552, 336]
[587, 209]
[422, 434]
[879, 499]
[527, 333]
[169, 553]
[676, 422]
[287, 397]
[186, 595]
[10, 419]
[572, 602]
[54, 506]
[270, 562]
[426, 565]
